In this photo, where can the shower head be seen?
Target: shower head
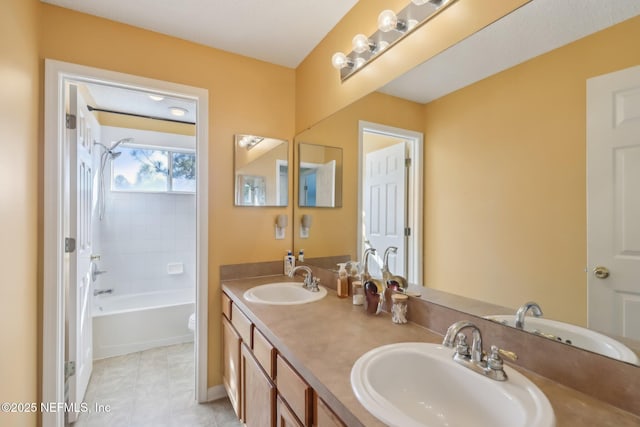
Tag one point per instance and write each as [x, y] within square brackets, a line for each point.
[123, 140]
[114, 154]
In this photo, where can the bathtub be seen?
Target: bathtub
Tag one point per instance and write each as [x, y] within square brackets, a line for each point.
[125, 324]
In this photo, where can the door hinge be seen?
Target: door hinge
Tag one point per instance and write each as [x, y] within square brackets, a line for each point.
[69, 244]
[70, 121]
[407, 231]
[69, 369]
[407, 162]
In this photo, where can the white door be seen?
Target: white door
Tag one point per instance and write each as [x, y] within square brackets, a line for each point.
[385, 205]
[326, 184]
[613, 214]
[80, 191]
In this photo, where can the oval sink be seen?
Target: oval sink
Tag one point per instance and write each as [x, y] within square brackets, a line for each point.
[419, 385]
[283, 293]
[573, 335]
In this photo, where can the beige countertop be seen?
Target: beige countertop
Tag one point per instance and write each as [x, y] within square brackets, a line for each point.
[322, 340]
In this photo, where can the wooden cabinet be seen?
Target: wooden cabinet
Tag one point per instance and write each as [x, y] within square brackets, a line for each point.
[284, 415]
[231, 365]
[259, 392]
[264, 389]
[323, 416]
[293, 390]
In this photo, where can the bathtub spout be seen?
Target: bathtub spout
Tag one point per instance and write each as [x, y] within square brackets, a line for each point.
[97, 292]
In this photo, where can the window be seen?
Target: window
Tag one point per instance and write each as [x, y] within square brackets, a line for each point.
[153, 170]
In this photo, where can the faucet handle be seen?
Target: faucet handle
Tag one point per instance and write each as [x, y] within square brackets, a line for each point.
[315, 285]
[462, 348]
[494, 361]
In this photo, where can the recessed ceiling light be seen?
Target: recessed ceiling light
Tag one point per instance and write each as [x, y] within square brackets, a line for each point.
[177, 111]
[156, 98]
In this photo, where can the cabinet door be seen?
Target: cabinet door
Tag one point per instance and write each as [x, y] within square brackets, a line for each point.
[285, 417]
[231, 365]
[259, 392]
[324, 417]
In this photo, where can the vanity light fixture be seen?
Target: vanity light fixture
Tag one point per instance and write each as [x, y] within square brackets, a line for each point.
[392, 27]
[281, 224]
[250, 141]
[305, 225]
[177, 111]
[155, 97]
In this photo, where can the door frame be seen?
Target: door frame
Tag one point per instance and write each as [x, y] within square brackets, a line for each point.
[415, 142]
[57, 73]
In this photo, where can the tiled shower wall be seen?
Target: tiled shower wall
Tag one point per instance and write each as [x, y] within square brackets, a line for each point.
[140, 235]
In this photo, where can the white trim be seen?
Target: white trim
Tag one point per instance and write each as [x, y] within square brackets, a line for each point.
[56, 74]
[415, 142]
[216, 392]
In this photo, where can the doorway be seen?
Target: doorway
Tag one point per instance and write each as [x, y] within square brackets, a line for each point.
[69, 137]
[390, 197]
[613, 203]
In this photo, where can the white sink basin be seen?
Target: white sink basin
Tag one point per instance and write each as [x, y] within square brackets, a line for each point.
[574, 335]
[419, 384]
[283, 293]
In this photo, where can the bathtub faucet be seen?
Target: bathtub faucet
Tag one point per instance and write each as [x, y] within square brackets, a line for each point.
[97, 292]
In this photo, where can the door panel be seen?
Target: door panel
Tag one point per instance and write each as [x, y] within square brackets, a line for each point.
[385, 205]
[613, 212]
[80, 345]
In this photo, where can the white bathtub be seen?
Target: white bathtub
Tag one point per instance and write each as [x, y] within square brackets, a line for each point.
[125, 324]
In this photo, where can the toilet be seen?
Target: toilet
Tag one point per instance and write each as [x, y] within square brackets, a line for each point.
[192, 322]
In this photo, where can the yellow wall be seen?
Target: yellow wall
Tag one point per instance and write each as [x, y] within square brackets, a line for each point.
[319, 91]
[505, 179]
[19, 176]
[333, 229]
[231, 80]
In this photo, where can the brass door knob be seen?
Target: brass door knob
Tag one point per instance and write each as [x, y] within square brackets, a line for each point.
[601, 272]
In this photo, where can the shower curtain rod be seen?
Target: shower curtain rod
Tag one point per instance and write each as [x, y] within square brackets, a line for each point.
[102, 110]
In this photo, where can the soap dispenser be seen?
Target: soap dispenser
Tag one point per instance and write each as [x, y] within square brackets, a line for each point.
[343, 280]
[289, 263]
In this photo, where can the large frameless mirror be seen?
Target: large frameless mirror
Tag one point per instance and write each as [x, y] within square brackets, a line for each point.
[261, 171]
[319, 176]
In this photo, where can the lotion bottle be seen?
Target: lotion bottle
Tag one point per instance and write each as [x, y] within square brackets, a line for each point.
[343, 281]
[289, 262]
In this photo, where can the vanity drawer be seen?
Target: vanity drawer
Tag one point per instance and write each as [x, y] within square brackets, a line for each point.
[226, 306]
[264, 352]
[294, 390]
[242, 324]
[323, 416]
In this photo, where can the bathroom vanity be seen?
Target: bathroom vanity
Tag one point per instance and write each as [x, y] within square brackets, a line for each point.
[291, 365]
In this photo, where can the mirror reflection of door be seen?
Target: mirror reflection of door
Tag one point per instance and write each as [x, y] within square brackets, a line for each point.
[613, 200]
[318, 184]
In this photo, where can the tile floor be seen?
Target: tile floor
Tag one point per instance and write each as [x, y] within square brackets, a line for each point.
[152, 388]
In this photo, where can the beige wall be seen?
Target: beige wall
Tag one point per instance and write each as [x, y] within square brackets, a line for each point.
[231, 80]
[19, 175]
[333, 230]
[319, 92]
[505, 179]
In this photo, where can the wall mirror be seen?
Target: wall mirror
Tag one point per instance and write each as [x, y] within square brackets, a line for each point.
[505, 168]
[319, 176]
[261, 170]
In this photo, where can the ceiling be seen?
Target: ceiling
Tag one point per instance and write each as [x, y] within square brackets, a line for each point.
[281, 32]
[262, 29]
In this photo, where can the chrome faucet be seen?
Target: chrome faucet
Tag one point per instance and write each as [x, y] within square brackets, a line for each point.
[397, 283]
[365, 263]
[491, 366]
[522, 312]
[311, 283]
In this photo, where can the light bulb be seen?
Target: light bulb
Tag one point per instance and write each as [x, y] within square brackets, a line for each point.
[339, 60]
[361, 43]
[387, 21]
